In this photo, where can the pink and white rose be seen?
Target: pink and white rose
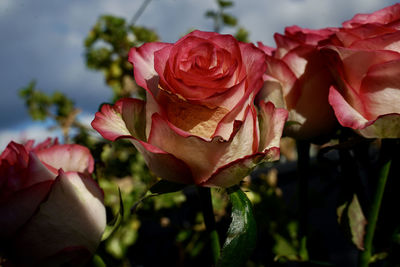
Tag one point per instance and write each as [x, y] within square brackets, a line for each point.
[199, 124]
[365, 58]
[298, 80]
[51, 210]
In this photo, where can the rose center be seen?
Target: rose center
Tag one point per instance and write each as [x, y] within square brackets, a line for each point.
[196, 119]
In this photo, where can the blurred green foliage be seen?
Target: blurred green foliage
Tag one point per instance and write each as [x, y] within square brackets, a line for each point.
[106, 49]
[40, 105]
[57, 107]
[223, 19]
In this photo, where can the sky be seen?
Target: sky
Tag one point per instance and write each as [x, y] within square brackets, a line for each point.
[43, 40]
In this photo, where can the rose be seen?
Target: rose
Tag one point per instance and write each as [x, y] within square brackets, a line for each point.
[199, 124]
[51, 210]
[297, 79]
[366, 63]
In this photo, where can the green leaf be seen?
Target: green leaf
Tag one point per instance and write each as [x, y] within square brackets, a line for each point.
[211, 14]
[229, 20]
[224, 3]
[164, 187]
[351, 217]
[115, 223]
[144, 35]
[37, 102]
[242, 232]
[242, 35]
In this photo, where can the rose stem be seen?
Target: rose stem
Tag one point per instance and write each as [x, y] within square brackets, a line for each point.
[209, 220]
[365, 255]
[303, 162]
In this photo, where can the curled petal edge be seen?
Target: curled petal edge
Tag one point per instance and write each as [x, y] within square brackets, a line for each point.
[142, 59]
[232, 173]
[272, 121]
[69, 157]
[204, 156]
[384, 126]
[345, 113]
[110, 123]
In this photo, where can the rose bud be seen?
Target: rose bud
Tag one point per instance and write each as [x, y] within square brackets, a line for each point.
[52, 211]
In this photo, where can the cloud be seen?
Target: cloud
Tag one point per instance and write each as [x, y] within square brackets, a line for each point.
[86, 119]
[40, 131]
[35, 132]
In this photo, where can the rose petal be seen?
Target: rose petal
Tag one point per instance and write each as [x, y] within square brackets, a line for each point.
[284, 44]
[345, 113]
[386, 126]
[72, 216]
[380, 90]
[254, 62]
[203, 156]
[17, 177]
[346, 37]
[37, 171]
[268, 50]
[15, 154]
[313, 83]
[355, 63]
[389, 41]
[228, 100]
[271, 122]
[226, 127]
[17, 209]
[272, 92]
[112, 122]
[142, 59]
[383, 16]
[282, 74]
[232, 173]
[199, 120]
[124, 119]
[223, 58]
[298, 59]
[309, 36]
[67, 157]
[13, 164]
[350, 37]
[336, 67]
[49, 142]
[193, 84]
[203, 34]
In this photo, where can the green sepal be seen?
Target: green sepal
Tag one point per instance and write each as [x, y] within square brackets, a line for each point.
[242, 233]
